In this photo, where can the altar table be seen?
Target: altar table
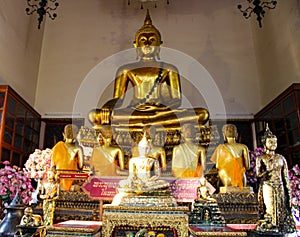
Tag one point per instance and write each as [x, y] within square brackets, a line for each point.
[144, 217]
[75, 228]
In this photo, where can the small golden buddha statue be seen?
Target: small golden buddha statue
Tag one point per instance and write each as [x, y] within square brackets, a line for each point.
[67, 156]
[203, 193]
[156, 89]
[30, 219]
[144, 172]
[27, 218]
[188, 159]
[107, 158]
[274, 195]
[231, 159]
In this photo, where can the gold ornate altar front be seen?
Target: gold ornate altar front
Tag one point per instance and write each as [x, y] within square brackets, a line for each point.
[238, 208]
[145, 217]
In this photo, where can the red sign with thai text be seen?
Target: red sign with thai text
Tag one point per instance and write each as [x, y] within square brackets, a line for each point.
[105, 188]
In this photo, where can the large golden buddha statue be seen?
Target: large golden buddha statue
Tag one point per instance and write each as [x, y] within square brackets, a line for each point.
[156, 90]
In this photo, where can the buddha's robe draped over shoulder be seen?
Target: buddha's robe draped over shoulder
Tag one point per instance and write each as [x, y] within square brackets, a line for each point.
[185, 162]
[233, 166]
[104, 163]
[64, 160]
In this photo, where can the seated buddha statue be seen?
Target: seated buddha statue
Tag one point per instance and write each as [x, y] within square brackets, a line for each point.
[107, 159]
[156, 152]
[156, 89]
[144, 172]
[188, 159]
[67, 156]
[231, 159]
[203, 193]
[30, 219]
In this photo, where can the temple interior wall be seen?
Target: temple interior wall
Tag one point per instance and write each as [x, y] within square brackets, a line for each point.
[277, 49]
[20, 48]
[248, 65]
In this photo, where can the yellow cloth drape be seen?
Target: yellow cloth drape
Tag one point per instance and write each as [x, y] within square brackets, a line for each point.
[186, 173]
[63, 161]
[185, 161]
[233, 166]
[103, 163]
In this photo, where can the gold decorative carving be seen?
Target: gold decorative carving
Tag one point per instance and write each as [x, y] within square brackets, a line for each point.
[73, 229]
[216, 234]
[142, 217]
[149, 209]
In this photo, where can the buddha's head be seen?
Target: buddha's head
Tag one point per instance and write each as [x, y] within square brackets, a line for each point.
[188, 131]
[70, 132]
[51, 174]
[269, 140]
[28, 211]
[106, 133]
[150, 132]
[229, 131]
[147, 39]
[144, 146]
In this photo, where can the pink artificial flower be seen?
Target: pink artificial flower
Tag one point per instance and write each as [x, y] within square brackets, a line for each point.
[294, 177]
[38, 164]
[13, 180]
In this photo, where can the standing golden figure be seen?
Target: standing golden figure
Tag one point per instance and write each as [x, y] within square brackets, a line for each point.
[67, 156]
[231, 159]
[49, 195]
[156, 90]
[274, 194]
[188, 159]
[107, 159]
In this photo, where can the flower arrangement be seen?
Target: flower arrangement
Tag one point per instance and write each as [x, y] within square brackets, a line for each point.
[38, 164]
[251, 173]
[294, 177]
[13, 180]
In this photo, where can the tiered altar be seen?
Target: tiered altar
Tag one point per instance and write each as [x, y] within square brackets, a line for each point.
[143, 200]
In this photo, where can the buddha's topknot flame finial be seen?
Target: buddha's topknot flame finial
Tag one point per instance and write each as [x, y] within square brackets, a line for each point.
[147, 28]
[148, 20]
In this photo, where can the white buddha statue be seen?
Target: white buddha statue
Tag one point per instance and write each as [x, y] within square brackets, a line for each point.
[144, 172]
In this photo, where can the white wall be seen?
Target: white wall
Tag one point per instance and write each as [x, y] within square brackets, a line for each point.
[278, 49]
[86, 33]
[249, 65]
[20, 44]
